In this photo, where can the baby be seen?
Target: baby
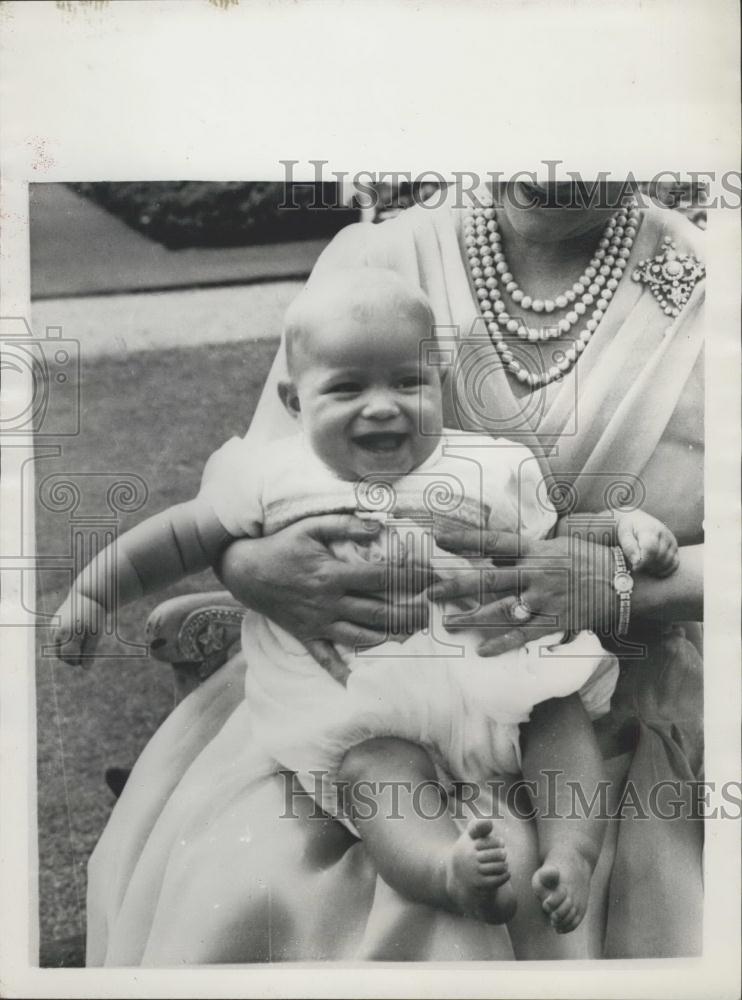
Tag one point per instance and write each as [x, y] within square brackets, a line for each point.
[423, 708]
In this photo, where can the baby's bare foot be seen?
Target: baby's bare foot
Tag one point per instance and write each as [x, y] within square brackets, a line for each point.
[562, 884]
[477, 875]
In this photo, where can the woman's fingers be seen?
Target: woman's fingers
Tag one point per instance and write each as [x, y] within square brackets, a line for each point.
[360, 577]
[354, 636]
[565, 584]
[494, 544]
[475, 583]
[367, 611]
[409, 616]
[384, 615]
[513, 639]
[462, 583]
[508, 611]
[328, 658]
[329, 528]
[382, 578]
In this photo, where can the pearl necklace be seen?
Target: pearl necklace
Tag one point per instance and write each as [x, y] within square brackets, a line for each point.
[594, 287]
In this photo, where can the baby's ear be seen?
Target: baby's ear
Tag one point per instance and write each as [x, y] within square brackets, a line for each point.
[289, 397]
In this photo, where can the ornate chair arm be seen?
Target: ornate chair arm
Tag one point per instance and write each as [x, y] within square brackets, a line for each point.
[196, 633]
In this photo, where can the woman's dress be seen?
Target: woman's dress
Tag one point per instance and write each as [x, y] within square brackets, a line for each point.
[212, 856]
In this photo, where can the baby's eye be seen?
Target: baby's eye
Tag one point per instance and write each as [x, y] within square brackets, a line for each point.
[410, 382]
[343, 388]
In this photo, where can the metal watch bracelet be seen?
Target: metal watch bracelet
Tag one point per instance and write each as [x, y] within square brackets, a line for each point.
[623, 584]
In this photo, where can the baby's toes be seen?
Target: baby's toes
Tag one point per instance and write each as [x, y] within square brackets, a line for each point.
[494, 881]
[575, 919]
[493, 863]
[489, 843]
[480, 831]
[494, 870]
[559, 914]
[490, 854]
[544, 881]
[554, 900]
[568, 920]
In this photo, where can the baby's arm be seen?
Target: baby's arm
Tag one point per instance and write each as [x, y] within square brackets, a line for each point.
[647, 543]
[175, 543]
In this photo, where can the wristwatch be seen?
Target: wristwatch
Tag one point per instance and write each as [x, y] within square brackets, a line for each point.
[623, 584]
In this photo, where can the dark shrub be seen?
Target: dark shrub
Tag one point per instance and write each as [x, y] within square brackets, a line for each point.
[237, 213]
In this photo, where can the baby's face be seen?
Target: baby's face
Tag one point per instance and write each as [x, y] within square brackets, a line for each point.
[368, 405]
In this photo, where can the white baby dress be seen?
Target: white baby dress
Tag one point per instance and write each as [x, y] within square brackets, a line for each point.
[431, 688]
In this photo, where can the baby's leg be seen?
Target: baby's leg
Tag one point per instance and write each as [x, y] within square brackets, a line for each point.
[417, 847]
[531, 933]
[560, 756]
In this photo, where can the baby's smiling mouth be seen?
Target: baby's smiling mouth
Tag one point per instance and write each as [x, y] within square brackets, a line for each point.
[380, 442]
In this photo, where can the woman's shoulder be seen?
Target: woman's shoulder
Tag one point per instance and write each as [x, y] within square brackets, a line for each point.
[669, 223]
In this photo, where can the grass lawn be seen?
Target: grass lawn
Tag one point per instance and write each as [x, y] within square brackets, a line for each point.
[158, 414]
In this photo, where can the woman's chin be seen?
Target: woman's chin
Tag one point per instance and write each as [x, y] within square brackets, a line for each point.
[549, 216]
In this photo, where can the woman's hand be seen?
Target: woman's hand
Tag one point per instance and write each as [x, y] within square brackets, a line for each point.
[294, 579]
[565, 583]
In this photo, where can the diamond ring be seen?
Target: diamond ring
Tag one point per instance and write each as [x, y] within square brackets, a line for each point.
[521, 611]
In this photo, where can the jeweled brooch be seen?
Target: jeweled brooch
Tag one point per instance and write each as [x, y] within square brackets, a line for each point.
[671, 276]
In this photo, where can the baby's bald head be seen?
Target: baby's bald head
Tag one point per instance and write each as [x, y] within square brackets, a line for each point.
[359, 382]
[333, 311]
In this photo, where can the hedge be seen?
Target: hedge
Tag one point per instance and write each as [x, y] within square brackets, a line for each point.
[205, 214]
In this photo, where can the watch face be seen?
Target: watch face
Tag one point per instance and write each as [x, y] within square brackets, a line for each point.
[623, 583]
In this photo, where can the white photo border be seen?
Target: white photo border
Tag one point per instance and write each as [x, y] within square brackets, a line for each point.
[108, 92]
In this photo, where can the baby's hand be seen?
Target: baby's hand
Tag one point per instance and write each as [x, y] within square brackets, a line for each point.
[647, 544]
[80, 624]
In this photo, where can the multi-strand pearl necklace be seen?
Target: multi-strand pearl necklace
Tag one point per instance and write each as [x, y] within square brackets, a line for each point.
[594, 288]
